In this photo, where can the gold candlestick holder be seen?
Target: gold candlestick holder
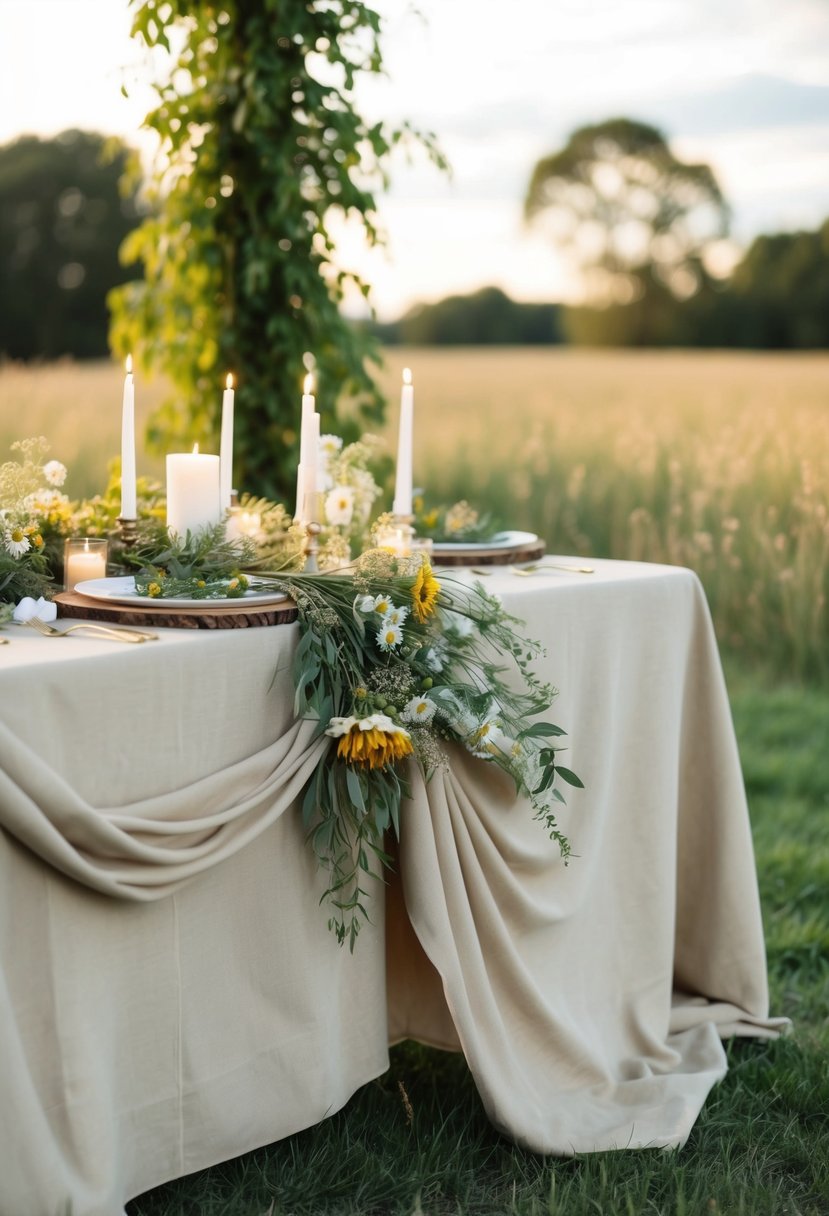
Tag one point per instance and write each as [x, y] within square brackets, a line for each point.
[127, 532]
[312, 544]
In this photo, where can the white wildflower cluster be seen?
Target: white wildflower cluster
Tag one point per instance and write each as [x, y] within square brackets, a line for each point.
[349, 488]
[28, 495]
[391, 618]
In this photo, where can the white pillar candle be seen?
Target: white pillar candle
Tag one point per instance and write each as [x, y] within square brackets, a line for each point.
[193, 491]
[83, 564]
[305, 443]
[403, 481]
[226, 445]
[128, 492]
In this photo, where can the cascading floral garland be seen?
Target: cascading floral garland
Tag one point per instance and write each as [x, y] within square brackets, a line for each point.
[394, 663]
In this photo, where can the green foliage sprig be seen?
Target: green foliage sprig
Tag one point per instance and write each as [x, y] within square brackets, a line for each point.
[200, 565]
[394, 663]
[261, 146]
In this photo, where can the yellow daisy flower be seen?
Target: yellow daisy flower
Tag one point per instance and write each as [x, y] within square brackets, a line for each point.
[425, 592]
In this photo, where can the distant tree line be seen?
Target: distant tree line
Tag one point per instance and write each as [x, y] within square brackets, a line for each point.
[634, 220]
[485, 318]
[777, 298]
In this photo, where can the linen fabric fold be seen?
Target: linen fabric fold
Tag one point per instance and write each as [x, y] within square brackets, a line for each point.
[590, 999]
[144, 850]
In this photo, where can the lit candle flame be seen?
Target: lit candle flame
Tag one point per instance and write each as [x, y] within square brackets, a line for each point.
[195, 449]
[407, 375]
[309, 385]
[229, 381]
[129, 365]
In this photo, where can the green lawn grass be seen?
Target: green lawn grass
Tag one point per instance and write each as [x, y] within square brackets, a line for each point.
[761, 1145]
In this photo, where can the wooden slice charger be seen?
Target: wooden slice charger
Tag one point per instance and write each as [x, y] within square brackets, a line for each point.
[145, 614]
[495, 556]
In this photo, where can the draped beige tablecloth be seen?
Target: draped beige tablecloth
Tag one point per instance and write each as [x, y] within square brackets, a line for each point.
[170, 995]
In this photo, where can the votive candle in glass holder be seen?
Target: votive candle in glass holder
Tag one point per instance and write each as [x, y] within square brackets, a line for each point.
[398, 537]
[84, 557]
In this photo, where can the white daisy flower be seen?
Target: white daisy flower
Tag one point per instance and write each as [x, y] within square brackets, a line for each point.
[389, 636]
[17, 543]
[339, 506]
[420, 710]
[54, 472]
[383, 604]
[330, 446]
[395, 616]
[488, 739]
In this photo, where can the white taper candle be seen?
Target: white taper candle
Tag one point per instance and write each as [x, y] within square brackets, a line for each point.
[226, 445]
[128, 488]
[403, 481]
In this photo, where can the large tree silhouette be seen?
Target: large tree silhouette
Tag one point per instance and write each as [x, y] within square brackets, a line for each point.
[633, 218]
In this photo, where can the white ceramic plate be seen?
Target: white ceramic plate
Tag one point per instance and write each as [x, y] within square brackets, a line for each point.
[122, 591]
[501, 540]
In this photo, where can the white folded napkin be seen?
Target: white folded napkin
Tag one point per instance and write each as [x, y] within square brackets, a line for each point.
[45, 610]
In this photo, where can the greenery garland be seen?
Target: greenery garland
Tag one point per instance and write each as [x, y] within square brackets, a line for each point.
[394, 663]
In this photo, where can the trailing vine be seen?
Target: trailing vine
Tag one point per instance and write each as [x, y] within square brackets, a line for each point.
[260, 144]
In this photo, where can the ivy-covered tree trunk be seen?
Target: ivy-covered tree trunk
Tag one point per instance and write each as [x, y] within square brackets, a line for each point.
[260, 142]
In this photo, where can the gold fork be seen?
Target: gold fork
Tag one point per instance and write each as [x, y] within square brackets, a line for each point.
[526, 571]
[104, 631]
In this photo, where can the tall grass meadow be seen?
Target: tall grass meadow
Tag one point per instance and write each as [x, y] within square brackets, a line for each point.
[717, 461]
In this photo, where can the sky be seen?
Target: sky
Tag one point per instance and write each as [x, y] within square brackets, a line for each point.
[740, 84]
